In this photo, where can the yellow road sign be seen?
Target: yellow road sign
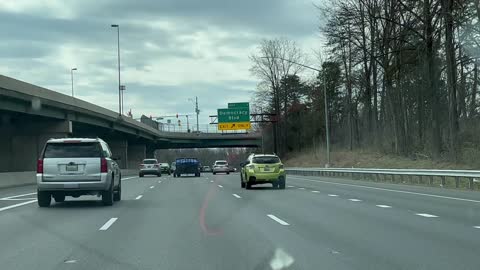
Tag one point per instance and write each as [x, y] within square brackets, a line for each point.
[234, 126]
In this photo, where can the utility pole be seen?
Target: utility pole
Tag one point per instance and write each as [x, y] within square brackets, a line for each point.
[327, 128]
[120, 109]
[197, 111]
[71, 72]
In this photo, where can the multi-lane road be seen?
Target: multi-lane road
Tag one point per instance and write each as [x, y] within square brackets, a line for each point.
[211, 223]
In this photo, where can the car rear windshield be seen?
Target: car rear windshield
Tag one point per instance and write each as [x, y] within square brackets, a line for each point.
[72, 150]
[266, 160]
[221, 163]
[149, 161]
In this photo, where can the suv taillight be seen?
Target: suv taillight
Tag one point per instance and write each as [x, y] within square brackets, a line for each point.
[103, 165]
[40, 166]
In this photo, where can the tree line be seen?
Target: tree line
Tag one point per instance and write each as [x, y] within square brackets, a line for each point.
[400, 76]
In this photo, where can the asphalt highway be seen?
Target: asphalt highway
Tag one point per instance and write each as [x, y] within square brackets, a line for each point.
[212, 223]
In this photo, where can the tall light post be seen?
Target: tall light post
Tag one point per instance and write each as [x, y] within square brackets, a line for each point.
[71, 73]
[120, 109]
[197, 111]
[327, 125]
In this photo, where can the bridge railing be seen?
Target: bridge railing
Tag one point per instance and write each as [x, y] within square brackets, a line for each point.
[445, 178]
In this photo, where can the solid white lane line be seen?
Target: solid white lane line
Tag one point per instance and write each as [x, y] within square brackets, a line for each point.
[108, 224]
[128, 178]
[236, 196]
[301, 188]
[425, 215]
[354, 200]
[16, 205]
[315, 191]
[16, 196]
[18, 199]
[220, 186]
[152, 186]
[138, 197]
[278, 220]
[332, 195]
[390, 190]
[383, 206]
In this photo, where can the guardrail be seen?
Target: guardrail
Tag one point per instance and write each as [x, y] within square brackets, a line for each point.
[443, 178]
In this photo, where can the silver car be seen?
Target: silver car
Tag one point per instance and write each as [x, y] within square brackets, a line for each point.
[221, 166]
[150, 166]
[76, 167]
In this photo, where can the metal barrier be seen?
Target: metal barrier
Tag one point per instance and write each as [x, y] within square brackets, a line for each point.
[461, 178]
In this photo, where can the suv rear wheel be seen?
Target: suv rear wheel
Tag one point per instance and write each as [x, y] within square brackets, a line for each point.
[281, 183]
[44, 198]
[107, 196]
[117, 196]
[59, 198]
[242, 184]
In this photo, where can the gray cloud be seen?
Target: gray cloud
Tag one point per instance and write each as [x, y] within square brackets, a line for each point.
[171, 50]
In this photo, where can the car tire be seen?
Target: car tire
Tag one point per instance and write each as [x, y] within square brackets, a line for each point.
[242, 184]
[117, 196]
[107, 196]
[281, 183]
[174, 175]
[159, 175]
[43, 198]
[248, 185]
[140, 175]
[214, 173]
[228, 172]
[59, 198]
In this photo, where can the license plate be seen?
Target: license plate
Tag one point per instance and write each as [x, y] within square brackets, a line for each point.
[266, 169]
[71, 168]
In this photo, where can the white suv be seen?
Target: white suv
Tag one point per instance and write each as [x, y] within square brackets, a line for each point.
[221, 166]
[75, 167]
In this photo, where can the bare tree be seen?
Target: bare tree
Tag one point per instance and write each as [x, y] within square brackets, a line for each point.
[274, 60]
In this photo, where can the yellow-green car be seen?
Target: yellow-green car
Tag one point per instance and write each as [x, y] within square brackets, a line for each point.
[263, 169]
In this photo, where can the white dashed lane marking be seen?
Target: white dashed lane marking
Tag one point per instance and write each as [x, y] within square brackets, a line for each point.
[354, 200]
[383, 206]
[220, 186]
[278, 220]
[138, 197]
[290, 186]
[315, 191]
[236, 196]
[476, 227]
[301, 188]
[16, 205]
[108, 224]
[332, 195]
[152, 186]
[426, 215]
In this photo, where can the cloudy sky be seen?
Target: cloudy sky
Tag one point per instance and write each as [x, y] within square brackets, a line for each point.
[171, 50]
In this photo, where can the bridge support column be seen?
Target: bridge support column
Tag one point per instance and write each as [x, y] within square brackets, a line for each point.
[119, 150]
[22, 141]
[136, 154]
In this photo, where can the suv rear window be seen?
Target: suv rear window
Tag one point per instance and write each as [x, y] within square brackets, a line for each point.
[149, 161]
[221, 163]
[266, 160]
[72, 150]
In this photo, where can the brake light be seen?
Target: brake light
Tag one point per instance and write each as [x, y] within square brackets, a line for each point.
[250, 167]
[103, 165]
[40, 166]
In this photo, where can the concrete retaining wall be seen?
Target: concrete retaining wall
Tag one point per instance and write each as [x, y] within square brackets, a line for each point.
[13, 179]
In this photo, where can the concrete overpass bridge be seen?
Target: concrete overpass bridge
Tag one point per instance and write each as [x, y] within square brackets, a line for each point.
[30, 115]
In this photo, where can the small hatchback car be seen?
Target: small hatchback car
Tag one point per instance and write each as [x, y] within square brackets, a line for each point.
[75, 167]
[263, 169]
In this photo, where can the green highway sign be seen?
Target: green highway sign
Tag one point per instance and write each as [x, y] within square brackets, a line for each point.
[238, 105]
[234, 115]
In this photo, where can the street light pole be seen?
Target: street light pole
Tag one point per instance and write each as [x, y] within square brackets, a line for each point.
[71, 72]
[120, 109]
[197, 111]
